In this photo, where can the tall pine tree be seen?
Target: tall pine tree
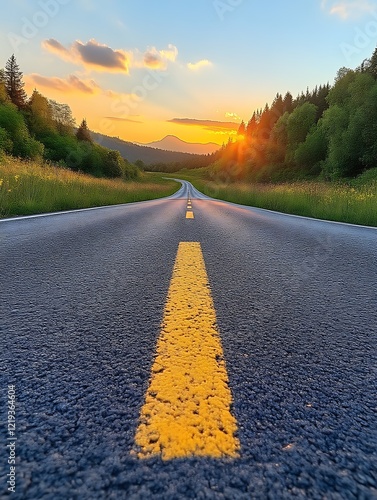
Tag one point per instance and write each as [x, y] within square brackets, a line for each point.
[83, 132]
[14, 83]
[242, 130]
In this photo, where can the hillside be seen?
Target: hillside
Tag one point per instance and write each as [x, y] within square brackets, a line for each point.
[133, 152]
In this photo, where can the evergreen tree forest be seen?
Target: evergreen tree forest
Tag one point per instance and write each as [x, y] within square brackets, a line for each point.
[40, 128]
[329, 133]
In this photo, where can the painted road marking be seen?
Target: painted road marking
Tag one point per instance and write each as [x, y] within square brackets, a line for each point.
[190, 214]
[187, 405]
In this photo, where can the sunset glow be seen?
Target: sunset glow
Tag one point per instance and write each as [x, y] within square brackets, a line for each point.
[142, 71]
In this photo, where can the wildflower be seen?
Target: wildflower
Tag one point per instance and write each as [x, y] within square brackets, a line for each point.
[16, 177]
[1, 182]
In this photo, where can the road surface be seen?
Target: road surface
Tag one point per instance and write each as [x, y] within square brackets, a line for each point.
[82, 301]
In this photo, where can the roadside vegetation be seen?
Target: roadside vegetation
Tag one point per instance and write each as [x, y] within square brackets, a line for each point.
[38, 128]
[313, 155]
[30, 187]
[48, 164]
[353, 201]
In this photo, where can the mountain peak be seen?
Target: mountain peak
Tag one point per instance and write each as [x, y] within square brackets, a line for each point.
[174, 143]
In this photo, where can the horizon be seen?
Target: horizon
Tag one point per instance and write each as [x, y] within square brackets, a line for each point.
[196, 73]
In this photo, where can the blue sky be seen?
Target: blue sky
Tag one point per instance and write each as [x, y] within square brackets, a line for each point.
[133, 67]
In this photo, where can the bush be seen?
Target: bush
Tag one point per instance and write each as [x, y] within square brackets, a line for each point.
[6, 144]
[17, 134]
[29, 148]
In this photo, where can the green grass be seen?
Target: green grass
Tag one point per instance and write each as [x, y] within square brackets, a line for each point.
[30, 188]
[353, 202]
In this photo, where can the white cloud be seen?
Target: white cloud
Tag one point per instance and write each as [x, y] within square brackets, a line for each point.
[204, 63]
[346, 9]
[233, 116]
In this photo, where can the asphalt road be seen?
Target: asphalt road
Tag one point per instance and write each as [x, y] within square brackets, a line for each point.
[82, 297]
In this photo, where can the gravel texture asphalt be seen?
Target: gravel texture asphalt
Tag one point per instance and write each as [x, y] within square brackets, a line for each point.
[82, 297]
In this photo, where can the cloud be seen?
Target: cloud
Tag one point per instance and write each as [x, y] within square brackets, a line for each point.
[70, 84]
[153, 61]
[212, 125]
[73, 84]
[92, 55]
[346, 9]
[55, 47]
[158, 59]
[117, 119]
[102, 57]
[233, 116]
[204, 63]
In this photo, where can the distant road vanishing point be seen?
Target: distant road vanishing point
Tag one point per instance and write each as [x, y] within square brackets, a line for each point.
[189, 348]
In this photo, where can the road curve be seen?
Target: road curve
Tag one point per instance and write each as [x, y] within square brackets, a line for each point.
[82, 296]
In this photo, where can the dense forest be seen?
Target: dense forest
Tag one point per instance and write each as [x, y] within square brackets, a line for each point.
[328, 133]
[40, 128]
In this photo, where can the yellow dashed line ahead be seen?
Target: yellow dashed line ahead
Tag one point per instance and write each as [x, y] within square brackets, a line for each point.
[187, 405]
[189, 212]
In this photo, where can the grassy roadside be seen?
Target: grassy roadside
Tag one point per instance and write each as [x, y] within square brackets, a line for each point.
[353, 202]
[30, 188]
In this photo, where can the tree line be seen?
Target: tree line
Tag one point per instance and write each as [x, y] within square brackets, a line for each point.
[329, 132]
[41, 128]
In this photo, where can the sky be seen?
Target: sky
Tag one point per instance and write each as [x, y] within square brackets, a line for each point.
[144, 69]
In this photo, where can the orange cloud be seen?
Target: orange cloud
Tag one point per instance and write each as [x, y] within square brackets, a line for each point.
[158, 59]
[57, 48]
[73, 84]
[118, 119]
[70, 84]
[210, 125]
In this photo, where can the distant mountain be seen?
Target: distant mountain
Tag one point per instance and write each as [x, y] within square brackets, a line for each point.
[173, 143]
[147, 154]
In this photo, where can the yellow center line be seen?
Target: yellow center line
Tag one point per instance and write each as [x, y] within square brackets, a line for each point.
[189, 210]
[187, 406]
